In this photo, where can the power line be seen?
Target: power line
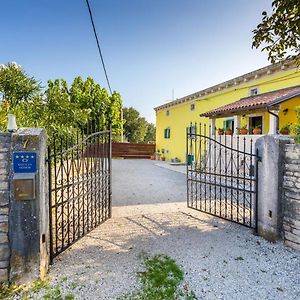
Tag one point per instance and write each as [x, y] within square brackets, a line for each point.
[98, 45]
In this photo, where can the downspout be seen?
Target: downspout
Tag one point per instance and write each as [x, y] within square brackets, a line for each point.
[276, 116]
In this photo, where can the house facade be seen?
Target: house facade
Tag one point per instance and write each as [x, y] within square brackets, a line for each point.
[266, 98]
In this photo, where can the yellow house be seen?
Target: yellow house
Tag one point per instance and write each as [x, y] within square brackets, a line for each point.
[209, 106]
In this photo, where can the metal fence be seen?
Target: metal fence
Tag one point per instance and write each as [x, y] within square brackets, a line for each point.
[222, 175]
[79, 171]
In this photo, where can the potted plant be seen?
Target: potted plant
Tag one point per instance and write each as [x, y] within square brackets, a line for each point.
[157, 155]
[243, 130]
[163, 158]
[152, 155]
[220, 131]
[228, 131]
[286, 129]
[257, 130]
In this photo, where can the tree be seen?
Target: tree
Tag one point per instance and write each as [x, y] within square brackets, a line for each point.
[16, 86]
[59, 109]
[279, 33]
[150, 134]
[103, 109]
[135, 126]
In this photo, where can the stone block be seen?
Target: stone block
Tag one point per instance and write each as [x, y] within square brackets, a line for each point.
[296, 231]
[3, 164]
[292, 167]
[4, 210]
[291, 221]
[4, 173]
[3, 218]
[288, 183]
[3, 156]
[292, 155]
[292, 237]
[4, 198]
[288, 173]
[4, 227]
[4, 264]
[295, 246]
[4, 185]
[3, 238]
[4, 252]
[292, 193]
[3, 275]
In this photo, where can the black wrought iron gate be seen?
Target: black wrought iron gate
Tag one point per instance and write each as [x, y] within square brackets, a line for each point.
[79, 171]
[222, 175]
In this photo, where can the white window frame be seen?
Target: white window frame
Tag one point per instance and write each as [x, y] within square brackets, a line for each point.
[256, 115]
[193, 108]
[167, 112]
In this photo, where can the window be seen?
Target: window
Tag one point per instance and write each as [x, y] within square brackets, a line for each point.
[229, 124]
[192, 107]
[255, 122]
[167, 113]
[167, 133]
[253, 92]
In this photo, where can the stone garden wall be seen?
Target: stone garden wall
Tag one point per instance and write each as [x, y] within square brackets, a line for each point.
[5, 145]
[291, 196]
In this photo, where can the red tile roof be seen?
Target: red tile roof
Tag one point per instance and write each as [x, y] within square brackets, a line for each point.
[254, 102]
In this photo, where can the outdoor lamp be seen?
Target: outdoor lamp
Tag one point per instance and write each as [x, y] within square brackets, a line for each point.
[11, 124]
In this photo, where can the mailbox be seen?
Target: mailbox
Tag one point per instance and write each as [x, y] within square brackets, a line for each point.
[24, 187]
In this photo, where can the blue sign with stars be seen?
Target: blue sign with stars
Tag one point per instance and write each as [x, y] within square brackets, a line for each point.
[24, 162]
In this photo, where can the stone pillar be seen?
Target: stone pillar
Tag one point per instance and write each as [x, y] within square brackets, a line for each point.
[237, 124]
[28, 219]
[212, 126]
[270, 184]
[5, 145]
[273, 123]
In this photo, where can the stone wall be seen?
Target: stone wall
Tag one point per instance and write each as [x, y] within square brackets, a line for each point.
[291, 196]
[5, 145]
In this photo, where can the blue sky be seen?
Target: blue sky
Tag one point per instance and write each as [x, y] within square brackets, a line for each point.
[150, 46]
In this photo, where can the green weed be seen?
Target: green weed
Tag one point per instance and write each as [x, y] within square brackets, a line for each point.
[161, 279]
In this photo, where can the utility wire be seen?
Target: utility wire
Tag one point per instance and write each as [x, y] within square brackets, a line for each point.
[98, 44]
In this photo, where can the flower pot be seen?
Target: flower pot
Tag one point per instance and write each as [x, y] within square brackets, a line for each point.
[220, 131]
[163, 158]
[228, 132]
[256, 131]
[152, 157]
[285, 131]
[243, 131]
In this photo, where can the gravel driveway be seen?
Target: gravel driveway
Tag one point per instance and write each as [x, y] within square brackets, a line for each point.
[222, 260]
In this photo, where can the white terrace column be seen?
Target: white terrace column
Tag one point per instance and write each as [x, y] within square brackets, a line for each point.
[273, 123]
[212, 126]
[237, 124]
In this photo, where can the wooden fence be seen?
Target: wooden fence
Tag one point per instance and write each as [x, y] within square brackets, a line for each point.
[129, 150]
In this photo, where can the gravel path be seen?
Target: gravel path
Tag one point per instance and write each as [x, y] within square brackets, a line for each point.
[222, 260]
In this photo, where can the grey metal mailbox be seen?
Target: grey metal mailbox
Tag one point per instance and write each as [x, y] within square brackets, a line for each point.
[24, 186]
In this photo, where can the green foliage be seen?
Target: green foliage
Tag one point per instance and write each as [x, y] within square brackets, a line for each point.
[16, 86]
[150, 134]
[135, 126]
[279, 33]
[39, 287]
[61, 110]
[161, 280]
[296, 127]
